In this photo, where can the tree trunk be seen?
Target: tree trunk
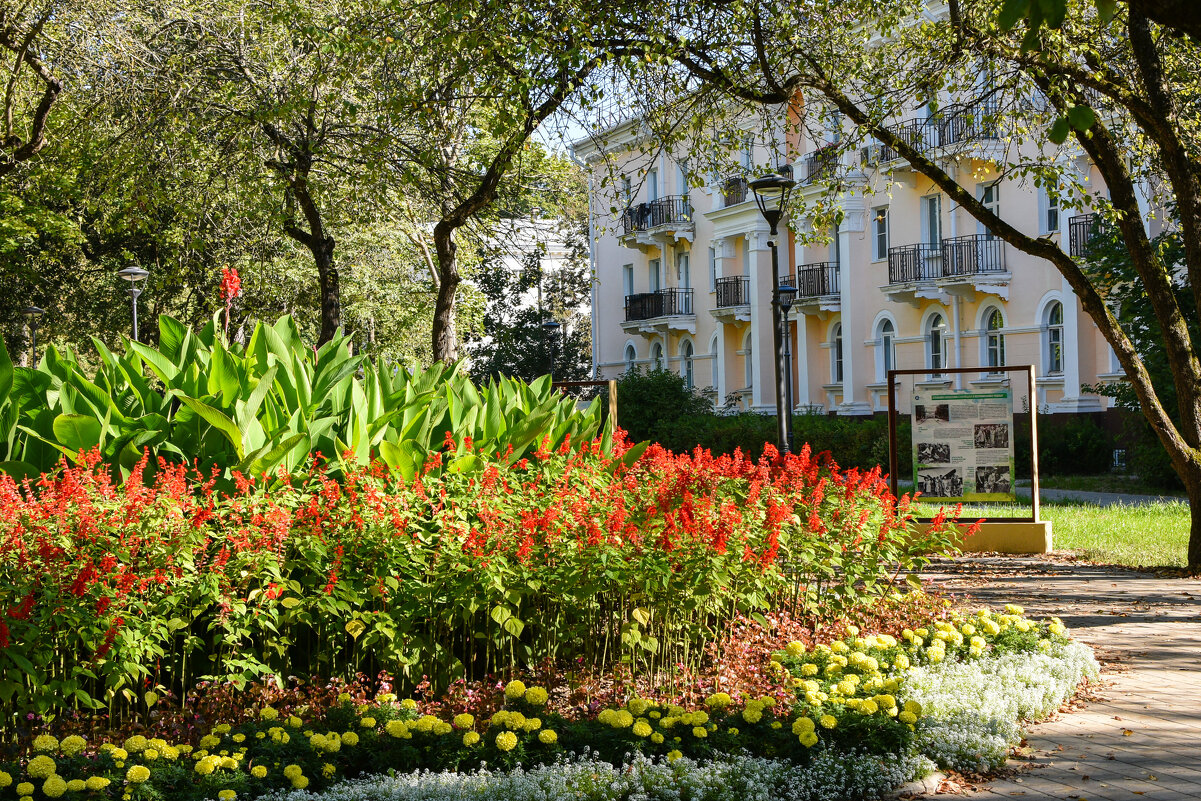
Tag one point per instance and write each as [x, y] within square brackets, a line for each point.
[445, 340]
[331, 293]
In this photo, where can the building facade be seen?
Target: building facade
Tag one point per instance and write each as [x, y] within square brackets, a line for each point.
[906, 280]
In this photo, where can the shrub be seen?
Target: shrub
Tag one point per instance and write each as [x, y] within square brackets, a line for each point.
[476, 565]
[649, 402]
[1077, 447]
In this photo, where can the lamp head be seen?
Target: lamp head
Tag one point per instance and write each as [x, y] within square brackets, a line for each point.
[551, 326]
[133, 275]
[771, 196]
[33, 314]
[787, 295]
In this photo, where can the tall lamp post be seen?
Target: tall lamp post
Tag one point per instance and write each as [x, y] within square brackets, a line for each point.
[133, 275]
[787, 296]
[551, 327]
[33, 314]
[771, 196]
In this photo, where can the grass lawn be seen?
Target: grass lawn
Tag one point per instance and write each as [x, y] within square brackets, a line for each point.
[1149, 535]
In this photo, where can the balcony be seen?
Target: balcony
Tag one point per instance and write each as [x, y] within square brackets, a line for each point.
[657, 222]
[977, 254]
[734, 191]
[819, 165]
[960, 265]
[660, 311]
[817, 286]
[1081, 230]
[959, 124]
[733, 291]
[911, 264]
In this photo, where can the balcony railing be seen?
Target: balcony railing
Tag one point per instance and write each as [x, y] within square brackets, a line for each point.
[972, 255]
[734, 191]
[670, 210]
[733, 291]
[662, 303]
[820, 164]
[1081, 230]
[817, 280]
[969, 122]
[910, 263]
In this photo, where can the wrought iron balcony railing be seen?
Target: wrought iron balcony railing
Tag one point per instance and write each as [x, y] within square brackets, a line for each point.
[734, 191]
[820, 164]
[817, 279]
[670, 210]
[733, 291]
[911, 263]
[1081, 230]
[972, 255]
[662, 303]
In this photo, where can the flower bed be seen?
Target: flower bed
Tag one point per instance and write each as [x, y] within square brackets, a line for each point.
[574, 556]
[848, 719]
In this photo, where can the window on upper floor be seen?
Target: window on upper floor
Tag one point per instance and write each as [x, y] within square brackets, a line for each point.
[880, 233]
[631, 356]
[1048, 212]
[656, 356]
[687, 365]
[989, 196]
[994, 339]
[655, 275]
[886, 358]
[627, 278]
[682, 178]
[936, 344]
[931, 219]
[836, 353]
[712, 269]
[652, 184]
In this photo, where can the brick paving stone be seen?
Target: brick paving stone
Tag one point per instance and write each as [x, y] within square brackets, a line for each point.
[1146, 631]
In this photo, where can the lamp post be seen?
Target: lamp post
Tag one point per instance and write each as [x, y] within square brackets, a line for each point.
[551, 327]
[771, 196]
[133, 275]
[33, 314]
[787, 296]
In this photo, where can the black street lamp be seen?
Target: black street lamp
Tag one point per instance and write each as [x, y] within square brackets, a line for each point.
[771, 196]
[551, 327]
[133, 275]
[33, 314]
[787, 296]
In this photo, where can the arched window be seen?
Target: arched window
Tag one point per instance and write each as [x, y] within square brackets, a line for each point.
[747, 361]
[686, 368]
[836, 353]
[1054, 339]
[887, 358]
[936, 344]
[994, 339]
[656, 356]
[713, 361]
[630, 357]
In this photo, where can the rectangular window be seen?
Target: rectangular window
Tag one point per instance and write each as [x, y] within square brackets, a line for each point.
[712, 269]
[880, 233]
[627, 190]
[990, 197]
[655, 275]
[932, 219]
[1050, 212]
[652, 185]
[682, 178]
[627, 278]
[683, 271]
[748, 152]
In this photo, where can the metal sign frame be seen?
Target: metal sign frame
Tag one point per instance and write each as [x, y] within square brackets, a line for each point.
[893, 460]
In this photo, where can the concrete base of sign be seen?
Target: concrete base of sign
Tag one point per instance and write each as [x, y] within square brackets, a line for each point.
[1018, 536]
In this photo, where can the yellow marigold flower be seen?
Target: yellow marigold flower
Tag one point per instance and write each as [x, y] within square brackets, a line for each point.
[532, 724]
[409, 704]
[733, 732]
[54, 787]
[828, 721]
[668, 722]
[1014, 609]
[642, 729]
[673, 755]
[385, 698]
[808, 739]
[719, 701]
[622, 719]
[657, 738]
[853, 631]
[839, 647]
[536, 696]
[95, 783]
[184, 748]
[901, 662]
[259, 771]
[752, 714]
[548, 737]
[317, 742]
[350, 738]
[204, 767]
[638, 706]
[150, 754]
[300, 782]
[6, 779]
[268, 713]
[45, 743]
[913, 707]
[295, 722]
[795, 648]
[506, 740]
[869, 707]
[425, 724]
[907, 717]
[25, 788]
[396, 728]
[328, 770]
[209, 741]
[499, 718]
[40, 767]
[464, 721]
[471, 738]
[229, 763]
[514, 690]
[77, 785]
[292, 771]
[239, 738]
[227, 795]
[343, 698]
[367, 723]
[699, 732]
[442, 728]
[137, 774]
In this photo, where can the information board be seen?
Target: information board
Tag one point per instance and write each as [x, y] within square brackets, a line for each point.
[963, 445]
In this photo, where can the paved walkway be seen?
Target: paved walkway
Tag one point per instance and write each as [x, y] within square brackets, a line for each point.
[1099, 498]
[1140, 737]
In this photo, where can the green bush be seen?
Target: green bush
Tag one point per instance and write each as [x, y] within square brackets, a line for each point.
[1077, 447]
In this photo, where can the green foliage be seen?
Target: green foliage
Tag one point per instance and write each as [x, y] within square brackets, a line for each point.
[1077, 447]
[263, 407]
[650, 402]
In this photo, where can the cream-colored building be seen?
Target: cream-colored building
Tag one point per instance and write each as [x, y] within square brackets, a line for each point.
[907, 280]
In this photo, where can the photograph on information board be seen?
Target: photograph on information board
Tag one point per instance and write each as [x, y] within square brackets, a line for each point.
[963, 445]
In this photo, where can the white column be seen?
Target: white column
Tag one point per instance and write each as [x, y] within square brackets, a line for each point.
[763, 349]
[854, 223]
[956, 304]
[722, 388]
[800, 394]
[1071, 343]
